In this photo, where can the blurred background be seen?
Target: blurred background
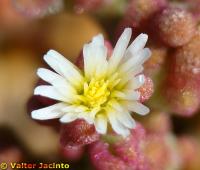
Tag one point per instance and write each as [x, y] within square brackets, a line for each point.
[29, 28]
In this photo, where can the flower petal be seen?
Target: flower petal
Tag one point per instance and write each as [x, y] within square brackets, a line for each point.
[126, 119]
[88, 65]
[55, 79]
[136, 82]
[98, 40]
[100, 61]
[123, 115]
[138, 108]
[68, 117]
[75, 108]
[95, 63]
[101, 124]
[129, 76]
[137, 45]
[86, 116]
[64, 67]
[116, 125]
[102, 67]
[51, 112]
[52, 93]
[127, 95]
[136, 60]
[119, 50]
[90, 55]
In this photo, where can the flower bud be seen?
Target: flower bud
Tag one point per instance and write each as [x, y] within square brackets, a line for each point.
[72, 153]
[77, 133]
[146, 90]
[176, 26]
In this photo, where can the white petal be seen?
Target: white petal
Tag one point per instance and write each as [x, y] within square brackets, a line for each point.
[101, 124]
[132, 95]
[123, 115]
[127, 95]
[50, 76]
[136, 82]
[98, 40]
[95, 62]
[136, 70]
[137, 45]
[94, 111]
[86, 116]
[88, 61]
[51, 112]
[126, 119]
[69, 109]
[116, 125]
[138, 108]
[101, 61]
[101, 69]
[129, 76]
[68, 117]
[94, 53]
[136, 60]
[52, 93]
[113, 80]
[75, 108]
[119, 50]
[64, 67]
[55, 79]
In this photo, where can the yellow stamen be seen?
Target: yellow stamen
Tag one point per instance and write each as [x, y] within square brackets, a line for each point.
[95, 93]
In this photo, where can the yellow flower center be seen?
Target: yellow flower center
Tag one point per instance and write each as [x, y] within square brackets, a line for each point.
[95, 93]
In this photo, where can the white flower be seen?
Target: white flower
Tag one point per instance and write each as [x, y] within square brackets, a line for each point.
[105, 92]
